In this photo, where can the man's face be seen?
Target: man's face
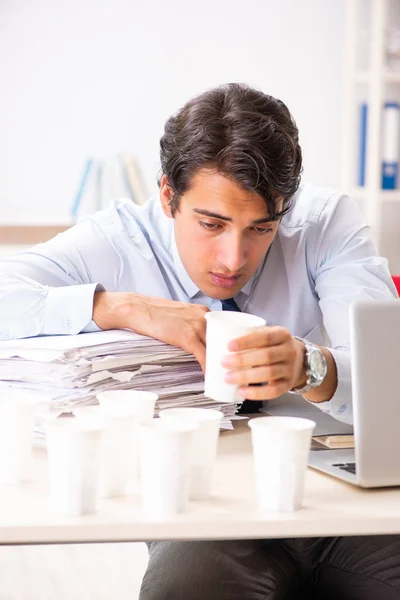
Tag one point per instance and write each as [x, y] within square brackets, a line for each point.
[222, 232]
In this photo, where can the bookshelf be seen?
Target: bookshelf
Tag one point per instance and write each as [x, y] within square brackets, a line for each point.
[373, 83]
[101, 180]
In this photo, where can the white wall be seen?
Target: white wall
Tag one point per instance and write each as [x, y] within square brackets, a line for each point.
[91, 77]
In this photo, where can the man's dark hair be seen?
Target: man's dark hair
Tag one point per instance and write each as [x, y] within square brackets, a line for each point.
[242, 133]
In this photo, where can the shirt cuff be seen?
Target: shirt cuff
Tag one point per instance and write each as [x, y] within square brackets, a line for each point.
[92, 326]
[69, 309]
[340, 405]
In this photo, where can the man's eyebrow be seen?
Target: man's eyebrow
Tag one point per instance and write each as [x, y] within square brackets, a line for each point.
[213, 215]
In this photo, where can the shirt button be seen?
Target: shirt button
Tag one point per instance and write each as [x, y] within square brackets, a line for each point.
[68, 324]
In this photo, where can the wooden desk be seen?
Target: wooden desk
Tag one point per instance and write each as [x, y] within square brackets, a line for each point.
[29, 234]
[330, 508]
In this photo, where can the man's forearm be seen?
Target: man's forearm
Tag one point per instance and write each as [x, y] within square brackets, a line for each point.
[177, 323]
[111, 309]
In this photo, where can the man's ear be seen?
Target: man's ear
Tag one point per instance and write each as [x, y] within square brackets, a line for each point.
[166, 195]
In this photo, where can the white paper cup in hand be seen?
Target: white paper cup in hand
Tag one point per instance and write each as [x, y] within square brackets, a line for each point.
[204, 446]
[140, 406]
[222, 328]
[17, 419]
[280, 453]
[164, 451]
[74, 449]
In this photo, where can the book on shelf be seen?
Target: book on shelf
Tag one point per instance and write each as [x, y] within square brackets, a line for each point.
[135, 178]
[103, 180]
[113, 182]
[363, 144]
[82, 186]
[389, 145]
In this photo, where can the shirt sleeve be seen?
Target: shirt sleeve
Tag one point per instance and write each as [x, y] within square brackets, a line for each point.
[347, 268]
[49, 290]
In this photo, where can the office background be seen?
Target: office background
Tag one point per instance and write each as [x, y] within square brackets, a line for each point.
[94, 78]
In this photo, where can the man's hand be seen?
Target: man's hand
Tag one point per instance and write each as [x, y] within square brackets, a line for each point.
[177, 323]
[269, 356]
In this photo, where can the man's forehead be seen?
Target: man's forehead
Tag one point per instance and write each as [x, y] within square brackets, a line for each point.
[210, 191]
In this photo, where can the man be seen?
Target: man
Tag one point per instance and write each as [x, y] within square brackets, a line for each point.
[232, 229]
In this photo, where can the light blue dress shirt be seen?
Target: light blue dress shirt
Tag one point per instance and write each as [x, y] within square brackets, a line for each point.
[322, 259]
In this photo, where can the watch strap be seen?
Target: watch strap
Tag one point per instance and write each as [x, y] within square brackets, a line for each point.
[310, 382]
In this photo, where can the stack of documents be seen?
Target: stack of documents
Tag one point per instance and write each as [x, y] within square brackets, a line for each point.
[66, 371]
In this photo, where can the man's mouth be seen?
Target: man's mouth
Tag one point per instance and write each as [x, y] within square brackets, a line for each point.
[226, 281]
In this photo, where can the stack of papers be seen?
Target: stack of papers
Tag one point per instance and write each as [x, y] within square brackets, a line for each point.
[66, 371]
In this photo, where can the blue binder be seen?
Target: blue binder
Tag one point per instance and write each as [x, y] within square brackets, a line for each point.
[363, 143]
[390, 145]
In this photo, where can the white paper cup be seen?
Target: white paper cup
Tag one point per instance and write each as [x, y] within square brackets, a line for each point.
[204, 446]
[164, 451]
[140, 406]
[280, 452]
[74, 453]
[17, 419]
[223, 327]
[116, 447]
[115, 456]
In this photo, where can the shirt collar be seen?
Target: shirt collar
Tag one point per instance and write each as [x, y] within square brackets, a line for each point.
[248, 288]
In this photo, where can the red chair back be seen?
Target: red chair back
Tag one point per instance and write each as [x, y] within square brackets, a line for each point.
[396, 279]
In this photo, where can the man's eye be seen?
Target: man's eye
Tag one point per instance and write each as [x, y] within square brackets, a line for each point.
[210, 226]
[262, 230]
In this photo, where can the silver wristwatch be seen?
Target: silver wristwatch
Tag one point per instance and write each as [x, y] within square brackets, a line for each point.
[314, 365]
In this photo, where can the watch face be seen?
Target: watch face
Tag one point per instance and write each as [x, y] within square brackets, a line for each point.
[317, 364]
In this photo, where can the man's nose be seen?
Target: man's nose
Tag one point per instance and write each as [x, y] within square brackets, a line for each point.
[232, 253]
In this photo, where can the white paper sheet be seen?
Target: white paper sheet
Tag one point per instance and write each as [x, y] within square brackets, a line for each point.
[67, 371]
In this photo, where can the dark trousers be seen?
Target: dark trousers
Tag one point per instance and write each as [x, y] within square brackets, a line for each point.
[351, 568]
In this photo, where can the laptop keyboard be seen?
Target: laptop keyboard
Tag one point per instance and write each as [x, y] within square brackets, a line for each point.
[350, 467]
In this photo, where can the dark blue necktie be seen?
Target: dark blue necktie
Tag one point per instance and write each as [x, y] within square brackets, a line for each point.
[230, 304]
[248, 406]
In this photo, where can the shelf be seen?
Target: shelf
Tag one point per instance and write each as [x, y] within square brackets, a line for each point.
[384, 195]
[388, 77]
[29, 234]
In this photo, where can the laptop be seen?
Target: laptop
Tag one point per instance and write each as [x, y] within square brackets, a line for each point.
[375, 355]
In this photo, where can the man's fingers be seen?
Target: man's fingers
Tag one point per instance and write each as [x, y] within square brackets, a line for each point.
[196, 347]
[201, 332]
[263, 337]
[254, 358]
[200, 355]
[257, 374]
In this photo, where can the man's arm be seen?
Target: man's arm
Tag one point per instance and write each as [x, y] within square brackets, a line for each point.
[177, 323]
[58, 288]
[49, 290]
[274, 360]
[347, 268]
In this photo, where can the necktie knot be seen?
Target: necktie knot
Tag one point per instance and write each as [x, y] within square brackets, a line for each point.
[230, 304]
